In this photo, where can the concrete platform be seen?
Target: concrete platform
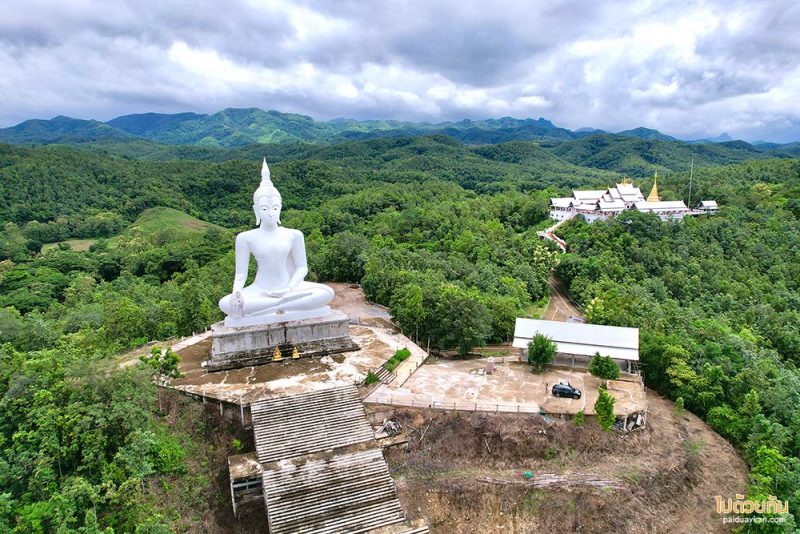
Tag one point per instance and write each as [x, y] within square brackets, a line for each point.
[462, 385]
[242, 386]
[237, 347]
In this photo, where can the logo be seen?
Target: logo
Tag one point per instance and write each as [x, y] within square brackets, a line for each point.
[742, 506]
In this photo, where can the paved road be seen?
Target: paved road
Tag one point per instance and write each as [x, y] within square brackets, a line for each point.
[559, 307]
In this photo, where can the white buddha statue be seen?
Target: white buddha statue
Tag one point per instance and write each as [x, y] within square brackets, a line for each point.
[279, 292]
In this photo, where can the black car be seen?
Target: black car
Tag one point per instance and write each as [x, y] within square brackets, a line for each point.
[566, 390]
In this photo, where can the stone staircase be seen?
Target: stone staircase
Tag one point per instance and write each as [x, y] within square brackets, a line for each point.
[323, 471]
[289, 426]
[350, 492]
[385, 376]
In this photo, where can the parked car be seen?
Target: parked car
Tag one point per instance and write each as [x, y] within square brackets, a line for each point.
[566, 390]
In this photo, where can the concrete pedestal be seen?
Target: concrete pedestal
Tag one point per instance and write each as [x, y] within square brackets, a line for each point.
[235, 347]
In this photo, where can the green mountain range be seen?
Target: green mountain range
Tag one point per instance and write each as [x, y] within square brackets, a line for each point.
[243, 134]
[240, 127]
[60, 130]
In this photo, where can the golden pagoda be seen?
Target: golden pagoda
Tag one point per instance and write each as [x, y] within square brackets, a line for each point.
[653, 196]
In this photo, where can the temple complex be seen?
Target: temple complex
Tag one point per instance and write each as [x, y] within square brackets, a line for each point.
[603, 204]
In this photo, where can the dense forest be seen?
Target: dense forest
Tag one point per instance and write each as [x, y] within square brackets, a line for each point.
[717, 300]
[441, 232]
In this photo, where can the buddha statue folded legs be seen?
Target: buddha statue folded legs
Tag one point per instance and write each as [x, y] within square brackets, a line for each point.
[253, 306]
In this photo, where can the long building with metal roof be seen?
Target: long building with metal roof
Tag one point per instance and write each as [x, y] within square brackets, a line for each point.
[578, 342]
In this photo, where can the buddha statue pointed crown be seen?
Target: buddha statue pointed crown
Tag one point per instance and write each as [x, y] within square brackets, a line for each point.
[265, 189]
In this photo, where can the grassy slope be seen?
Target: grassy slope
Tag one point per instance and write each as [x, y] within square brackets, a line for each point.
[181, 225]
[160, 218]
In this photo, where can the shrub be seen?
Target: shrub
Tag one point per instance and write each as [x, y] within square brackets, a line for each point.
[169, 456]
[399, 357]
[604, 367]
[693, 448]
[679, 408]
[604, 409]
[579, 418]
[541, 351]
[371, 378]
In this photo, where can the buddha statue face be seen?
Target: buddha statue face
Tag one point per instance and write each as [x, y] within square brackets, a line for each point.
[268, 209]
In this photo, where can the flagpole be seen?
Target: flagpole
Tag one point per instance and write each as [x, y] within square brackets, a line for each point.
[691, 175]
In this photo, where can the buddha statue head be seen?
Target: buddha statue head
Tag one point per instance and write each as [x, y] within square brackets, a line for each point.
[267, 199]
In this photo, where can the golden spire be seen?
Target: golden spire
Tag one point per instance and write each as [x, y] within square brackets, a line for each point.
[653, 196]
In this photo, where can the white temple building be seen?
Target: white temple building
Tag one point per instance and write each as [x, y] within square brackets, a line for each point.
[602, 204]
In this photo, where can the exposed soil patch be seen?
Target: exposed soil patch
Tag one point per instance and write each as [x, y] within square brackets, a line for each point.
[663, 485]
[350, 299]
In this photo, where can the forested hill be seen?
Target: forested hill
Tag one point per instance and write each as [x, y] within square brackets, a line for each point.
[242, 127]
[48, 182]
[717, 301]
[442, 233]
[238, 127]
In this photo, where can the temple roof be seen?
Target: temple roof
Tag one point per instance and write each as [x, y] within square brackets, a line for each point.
[561, 202]
[613, 205]
[591, 194]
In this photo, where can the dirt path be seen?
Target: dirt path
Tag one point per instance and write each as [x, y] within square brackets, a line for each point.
[559, 307]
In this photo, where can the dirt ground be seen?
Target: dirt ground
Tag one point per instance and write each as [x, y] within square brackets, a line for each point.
[667, 474]
[350, 299]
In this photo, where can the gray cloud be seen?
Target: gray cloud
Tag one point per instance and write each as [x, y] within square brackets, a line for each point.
[696, 68]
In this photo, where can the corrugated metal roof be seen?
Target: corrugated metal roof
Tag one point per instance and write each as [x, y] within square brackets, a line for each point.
[584, 339]
[709, 203]
[309, 422]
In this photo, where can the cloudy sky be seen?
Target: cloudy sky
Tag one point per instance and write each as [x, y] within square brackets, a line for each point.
[690, 69]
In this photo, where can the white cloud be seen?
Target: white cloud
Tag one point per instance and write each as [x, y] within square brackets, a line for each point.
[688, 68]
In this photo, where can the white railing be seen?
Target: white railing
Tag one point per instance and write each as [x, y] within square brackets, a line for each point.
[412, 402]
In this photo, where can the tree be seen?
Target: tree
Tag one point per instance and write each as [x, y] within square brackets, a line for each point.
[579, 418]
[345, 256]
[408, 309]
[541, 352]
[164, 364]
[604, 367]
[604, 409]
[462, 321]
